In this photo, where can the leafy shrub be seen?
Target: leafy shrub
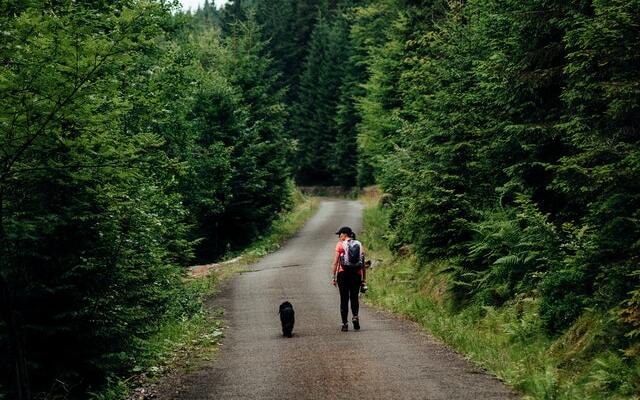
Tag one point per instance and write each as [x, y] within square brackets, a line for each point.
[116, 164]
[613, 373]
[563, 295]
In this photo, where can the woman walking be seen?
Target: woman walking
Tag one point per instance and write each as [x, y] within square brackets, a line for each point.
[348, 274]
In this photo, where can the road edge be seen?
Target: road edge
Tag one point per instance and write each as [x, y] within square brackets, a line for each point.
[204, 333]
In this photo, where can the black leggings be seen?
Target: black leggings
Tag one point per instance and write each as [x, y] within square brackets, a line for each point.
[349, 285]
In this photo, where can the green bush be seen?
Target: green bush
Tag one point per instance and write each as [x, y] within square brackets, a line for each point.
[129, 146]
[562, 298]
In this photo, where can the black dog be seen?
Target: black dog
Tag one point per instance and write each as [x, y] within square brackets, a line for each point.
[287, 318]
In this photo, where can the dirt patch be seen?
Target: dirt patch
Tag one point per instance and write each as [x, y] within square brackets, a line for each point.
[330, 191]
[199, 271]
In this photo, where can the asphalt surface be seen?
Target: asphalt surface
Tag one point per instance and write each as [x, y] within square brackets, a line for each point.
[389, 358]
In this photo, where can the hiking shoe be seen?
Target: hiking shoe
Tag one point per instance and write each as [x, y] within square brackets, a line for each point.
[356, 323]
[345, 327]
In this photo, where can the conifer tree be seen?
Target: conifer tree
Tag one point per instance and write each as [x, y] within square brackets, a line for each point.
[260, 188]
[316, 108]
[354, 75]
[88, 263]
[134, 144]
[599, 177]
[379, 104]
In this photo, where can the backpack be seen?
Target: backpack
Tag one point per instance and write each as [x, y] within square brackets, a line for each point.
[352, 257]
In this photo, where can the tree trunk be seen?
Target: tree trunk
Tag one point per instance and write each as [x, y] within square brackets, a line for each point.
[16, 348]
[17, 357]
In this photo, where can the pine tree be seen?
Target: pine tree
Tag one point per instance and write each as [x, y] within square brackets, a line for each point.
[354, 75]
[88, 263]
[316, 108]
[260, 188]
[133, 145]
[599, 178]
[379, 104]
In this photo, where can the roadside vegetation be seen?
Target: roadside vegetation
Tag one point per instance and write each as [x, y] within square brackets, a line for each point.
[504, 135]
[134, 141]
[509, 340]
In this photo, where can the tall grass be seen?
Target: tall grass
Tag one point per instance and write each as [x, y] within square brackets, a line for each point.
[508, 341]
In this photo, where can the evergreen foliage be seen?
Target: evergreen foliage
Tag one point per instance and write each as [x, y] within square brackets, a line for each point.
[316, 128]
[260, 186]
[487, 123]
[133, 140]
[204, 18]
[505, 135]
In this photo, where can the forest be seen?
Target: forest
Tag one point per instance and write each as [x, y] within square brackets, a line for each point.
[137, 139]
[135, 142]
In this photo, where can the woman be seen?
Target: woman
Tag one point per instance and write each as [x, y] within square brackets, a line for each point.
[348, 274]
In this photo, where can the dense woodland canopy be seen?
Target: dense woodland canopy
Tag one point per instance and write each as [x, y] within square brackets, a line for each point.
[136, 140]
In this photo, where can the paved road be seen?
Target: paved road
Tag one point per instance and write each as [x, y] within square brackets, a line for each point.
[390, 358]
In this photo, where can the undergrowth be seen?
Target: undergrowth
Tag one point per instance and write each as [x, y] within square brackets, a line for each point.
[510, 340]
